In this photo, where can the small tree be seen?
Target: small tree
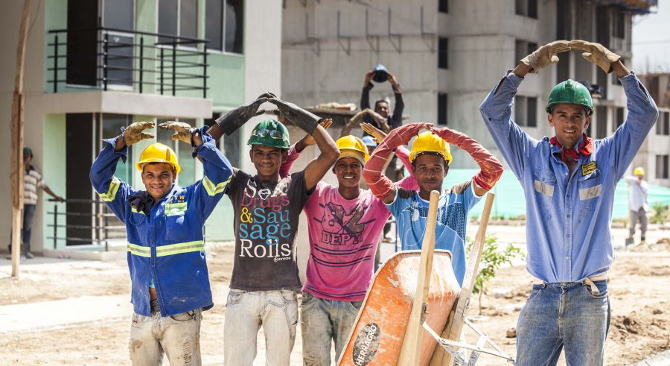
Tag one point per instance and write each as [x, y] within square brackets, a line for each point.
[660, 212]
[491, 260]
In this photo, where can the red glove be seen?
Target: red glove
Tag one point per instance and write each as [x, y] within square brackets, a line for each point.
[379, 184]
[490, 168]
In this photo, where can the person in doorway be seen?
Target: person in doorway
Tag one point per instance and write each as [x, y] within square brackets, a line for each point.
[32, 180]
[166, 251]
[345, 225]
[266, 209]
[430, 158]
[568, 182]
[637, 204]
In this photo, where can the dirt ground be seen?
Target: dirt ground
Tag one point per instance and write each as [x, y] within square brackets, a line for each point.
[639, 294]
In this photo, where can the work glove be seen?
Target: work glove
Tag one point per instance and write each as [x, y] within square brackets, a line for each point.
[596, 53]
[133, 133]
[183, 131]
[307, 121]
[234, 119]
[545, 55]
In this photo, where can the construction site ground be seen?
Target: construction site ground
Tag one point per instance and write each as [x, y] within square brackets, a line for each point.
[75, 312]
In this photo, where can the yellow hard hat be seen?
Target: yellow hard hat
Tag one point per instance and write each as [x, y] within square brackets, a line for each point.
[352, 147]
[158, 153]
[428, 142]
[638, 172]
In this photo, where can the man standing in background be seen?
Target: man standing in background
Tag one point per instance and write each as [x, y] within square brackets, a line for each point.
[637, 204]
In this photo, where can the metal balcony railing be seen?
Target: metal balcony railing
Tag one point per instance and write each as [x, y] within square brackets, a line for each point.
[142, 61]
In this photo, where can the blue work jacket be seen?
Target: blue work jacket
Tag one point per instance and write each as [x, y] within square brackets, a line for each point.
[568, 215]
[167, 245]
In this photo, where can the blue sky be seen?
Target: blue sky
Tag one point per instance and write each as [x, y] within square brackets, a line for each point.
[651, 40]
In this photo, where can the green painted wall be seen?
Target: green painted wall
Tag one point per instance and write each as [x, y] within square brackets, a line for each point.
[53, 170]
[226, 83]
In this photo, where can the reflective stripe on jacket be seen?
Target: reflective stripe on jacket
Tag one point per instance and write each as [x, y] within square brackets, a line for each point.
[166, 246]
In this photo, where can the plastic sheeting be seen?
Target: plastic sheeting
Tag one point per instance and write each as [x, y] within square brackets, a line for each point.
[510, 201]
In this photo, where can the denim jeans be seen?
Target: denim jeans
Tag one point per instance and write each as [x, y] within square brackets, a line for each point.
[325, 321]
[26, 228]
[246, 312]
[177, 335]
[559, 315]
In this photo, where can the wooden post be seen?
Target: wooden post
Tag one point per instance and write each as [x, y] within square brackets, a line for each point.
[410, 353]
[18, 103]
[457, 316]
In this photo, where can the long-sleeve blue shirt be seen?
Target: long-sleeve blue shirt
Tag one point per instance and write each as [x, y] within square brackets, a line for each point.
[166, 245]
[568, 215]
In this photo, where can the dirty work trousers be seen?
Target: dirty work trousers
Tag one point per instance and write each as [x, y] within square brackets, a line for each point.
[635, 216]
[246, 312]
[322, 322]
[178, 336]
[566, 315]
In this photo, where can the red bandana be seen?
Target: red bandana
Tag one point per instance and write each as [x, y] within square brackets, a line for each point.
[585, 148]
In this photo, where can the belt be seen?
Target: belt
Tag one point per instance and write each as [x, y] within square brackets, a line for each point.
[589, 281]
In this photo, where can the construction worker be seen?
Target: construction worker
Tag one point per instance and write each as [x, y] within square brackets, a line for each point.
[637, 204]
[166, 251]
[266, 212]
[345, 225]
[32, 180]
[380, 74]
[568, 181]
[430, 157]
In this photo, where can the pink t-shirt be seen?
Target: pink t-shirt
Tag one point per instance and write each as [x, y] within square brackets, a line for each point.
[343, 239]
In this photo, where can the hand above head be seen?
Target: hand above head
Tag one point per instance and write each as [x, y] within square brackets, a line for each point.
[368, 78]
[373, 131]
[596, 53]
[308, 140]
[307, 121]
[234, 119]
[545, 55]
[394, 82]
[133, 133]
[182, 130]
[406, 132]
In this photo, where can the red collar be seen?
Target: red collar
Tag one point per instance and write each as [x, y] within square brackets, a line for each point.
[585, 148]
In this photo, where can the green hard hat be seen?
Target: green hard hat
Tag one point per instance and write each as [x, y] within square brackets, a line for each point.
[270, 133]
[570, 92]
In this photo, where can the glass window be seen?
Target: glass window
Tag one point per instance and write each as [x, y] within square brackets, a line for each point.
[619, 117]
[443, 53]
[234, 26]
[520, 110]
[442, 108]
[168, 19]
[662, 166]
[188, 19]
[532, 9]
[531, 112]
[443, 6]
[214, 24]
[178, 18]
[601, 121]
[118, 14]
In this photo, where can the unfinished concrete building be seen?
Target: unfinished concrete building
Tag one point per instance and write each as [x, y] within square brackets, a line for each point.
[447, 55]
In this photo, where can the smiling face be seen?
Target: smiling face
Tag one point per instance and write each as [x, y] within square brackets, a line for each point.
[382, 108]
[267, 161]
[430, 170]
[348, 172]
[158, 179]
[569, 121]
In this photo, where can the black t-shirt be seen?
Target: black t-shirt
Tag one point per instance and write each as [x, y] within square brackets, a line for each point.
[266, 222]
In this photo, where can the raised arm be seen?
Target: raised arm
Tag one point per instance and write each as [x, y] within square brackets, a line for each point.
[367, 86]
[296, 149]
[234, 119]
[490, 168]
[396, 118]
[642, 110]
[373, 173]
